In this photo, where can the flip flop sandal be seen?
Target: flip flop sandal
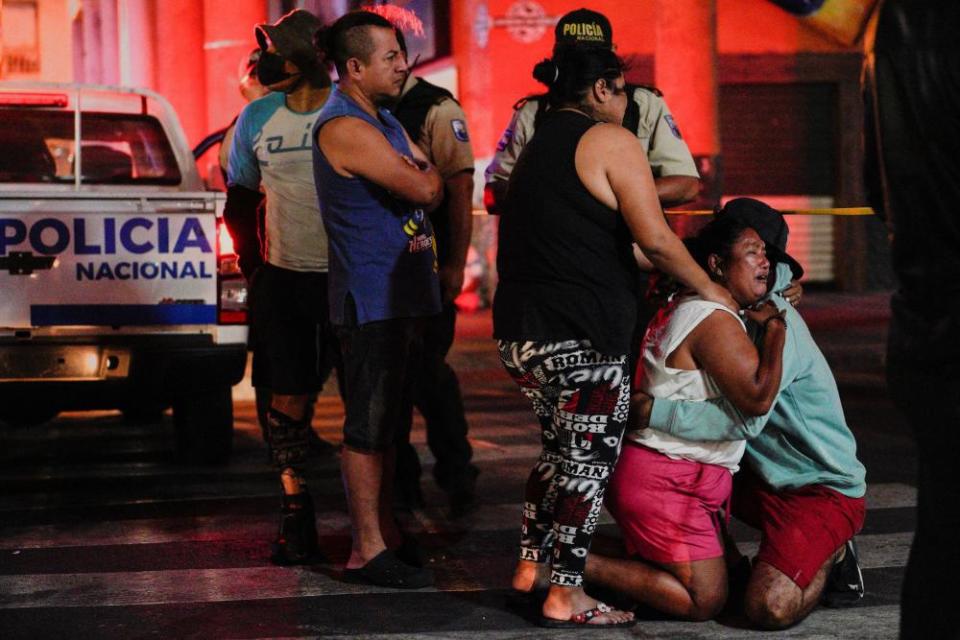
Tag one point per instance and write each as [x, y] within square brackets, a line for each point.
[386, 570]
[582, 619]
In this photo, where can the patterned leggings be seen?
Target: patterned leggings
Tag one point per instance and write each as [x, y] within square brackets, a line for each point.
[581, 398]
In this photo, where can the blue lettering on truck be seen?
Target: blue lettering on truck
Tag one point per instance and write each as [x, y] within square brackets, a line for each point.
[133, 235]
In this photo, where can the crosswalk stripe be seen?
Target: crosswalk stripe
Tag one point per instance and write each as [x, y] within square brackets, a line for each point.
[167, 587]
[263, 582]
[879, 496]
[822, 624]
[487, 517]
[485, 450]
[891, 495]
[157, 531]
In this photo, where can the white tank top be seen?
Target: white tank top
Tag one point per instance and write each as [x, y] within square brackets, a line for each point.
[665, 333]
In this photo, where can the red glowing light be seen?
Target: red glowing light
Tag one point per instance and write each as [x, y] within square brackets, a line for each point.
[404, 19]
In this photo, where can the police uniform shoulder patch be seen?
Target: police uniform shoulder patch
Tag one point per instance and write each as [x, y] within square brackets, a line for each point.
[505, 140]
[460, 130]
[673, 126]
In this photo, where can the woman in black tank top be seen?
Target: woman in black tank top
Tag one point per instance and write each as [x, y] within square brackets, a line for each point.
[565, 309]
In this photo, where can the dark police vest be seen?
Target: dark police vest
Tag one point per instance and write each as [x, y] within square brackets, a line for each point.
[412, 112]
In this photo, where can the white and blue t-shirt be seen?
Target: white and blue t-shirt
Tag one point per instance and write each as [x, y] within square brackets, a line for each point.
[272, 148]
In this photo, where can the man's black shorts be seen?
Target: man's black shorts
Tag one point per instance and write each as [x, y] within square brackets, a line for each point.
[294, 347]
[379, 378]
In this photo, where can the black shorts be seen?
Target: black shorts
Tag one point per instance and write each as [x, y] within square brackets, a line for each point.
[379, 377]
[294, 346]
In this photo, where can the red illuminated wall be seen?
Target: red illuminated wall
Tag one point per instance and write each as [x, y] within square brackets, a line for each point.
[187, 50]
[495, 73]
[199, 45]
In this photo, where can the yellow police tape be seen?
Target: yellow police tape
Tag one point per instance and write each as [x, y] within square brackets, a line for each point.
[833, 211]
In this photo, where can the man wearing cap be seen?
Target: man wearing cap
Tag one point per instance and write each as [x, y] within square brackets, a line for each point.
[674, 171]
[801, 483]
[288, 277]
[437, 124]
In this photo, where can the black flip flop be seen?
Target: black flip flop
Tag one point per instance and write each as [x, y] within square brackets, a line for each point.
[582, 620]
[387, 570]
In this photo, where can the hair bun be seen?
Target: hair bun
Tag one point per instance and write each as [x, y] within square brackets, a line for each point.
[546, 72]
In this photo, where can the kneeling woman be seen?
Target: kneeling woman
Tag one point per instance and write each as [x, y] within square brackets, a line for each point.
[666, 492]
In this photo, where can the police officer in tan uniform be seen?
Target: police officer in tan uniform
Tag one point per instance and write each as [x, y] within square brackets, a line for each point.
[674, 171]
[437, 124]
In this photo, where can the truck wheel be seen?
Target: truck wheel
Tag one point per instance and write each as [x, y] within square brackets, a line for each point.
[203, 424]
[27, 416]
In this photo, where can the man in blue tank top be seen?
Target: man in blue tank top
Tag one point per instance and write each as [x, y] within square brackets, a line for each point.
[374, 187]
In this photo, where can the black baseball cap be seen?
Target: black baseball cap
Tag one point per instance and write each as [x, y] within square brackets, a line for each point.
[769, 225]
[583, 27]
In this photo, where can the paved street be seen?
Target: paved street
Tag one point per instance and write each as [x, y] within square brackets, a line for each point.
[103, 535]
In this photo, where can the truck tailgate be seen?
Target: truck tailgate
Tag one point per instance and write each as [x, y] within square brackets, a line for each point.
[105, 259]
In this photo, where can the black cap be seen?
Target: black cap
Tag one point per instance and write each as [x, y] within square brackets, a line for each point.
[583, 27]
[292, 36]
[769, 225]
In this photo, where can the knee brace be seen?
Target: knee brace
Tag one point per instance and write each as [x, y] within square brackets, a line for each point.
[289, 442]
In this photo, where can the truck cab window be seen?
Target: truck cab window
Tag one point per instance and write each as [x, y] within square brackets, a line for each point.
[115, 148]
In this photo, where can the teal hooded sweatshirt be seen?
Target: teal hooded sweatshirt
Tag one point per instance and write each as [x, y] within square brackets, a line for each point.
[803, 440]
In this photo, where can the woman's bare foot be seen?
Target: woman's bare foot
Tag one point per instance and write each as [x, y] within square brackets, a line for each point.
[563, 603]
[530, 576]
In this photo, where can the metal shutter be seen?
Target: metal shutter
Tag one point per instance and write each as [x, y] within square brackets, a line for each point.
[780, 145]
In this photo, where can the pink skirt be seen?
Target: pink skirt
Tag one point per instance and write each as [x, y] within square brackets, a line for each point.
[668, 509]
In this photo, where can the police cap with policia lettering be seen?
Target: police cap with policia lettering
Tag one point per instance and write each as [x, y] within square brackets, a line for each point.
[584, 27]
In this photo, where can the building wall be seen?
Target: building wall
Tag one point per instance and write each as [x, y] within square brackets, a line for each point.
[56, 59]
[496, 46]
[496, 43]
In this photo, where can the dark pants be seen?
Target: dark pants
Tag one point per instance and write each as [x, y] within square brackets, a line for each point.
[439, 400]
[932, 404]
[912, 136]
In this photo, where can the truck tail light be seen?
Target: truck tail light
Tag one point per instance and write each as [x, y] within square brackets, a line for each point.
[33, 99]
[232, 286]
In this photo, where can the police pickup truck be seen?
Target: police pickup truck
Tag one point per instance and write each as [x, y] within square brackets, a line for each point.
[118, 285]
